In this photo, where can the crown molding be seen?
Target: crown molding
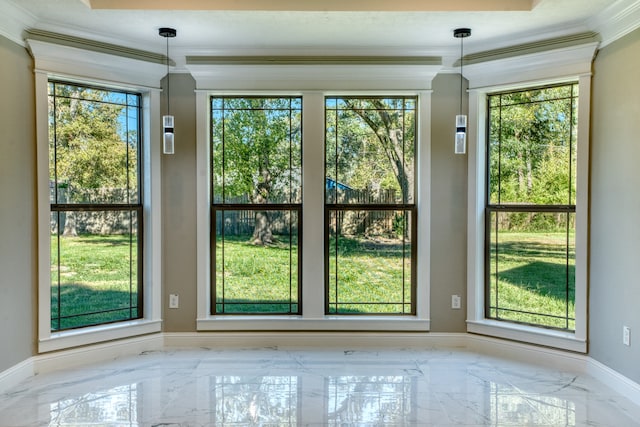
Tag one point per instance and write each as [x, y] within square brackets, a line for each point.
[320, 5]
[314, 72]
[14, 21]
[565, 62]
[64, 60]
[617, 20]
[95, 46]
[531, 48]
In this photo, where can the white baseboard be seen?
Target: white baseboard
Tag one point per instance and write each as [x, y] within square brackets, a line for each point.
[572, 362]
[16, 374]
[310, 340]
[102, 352]
[614, 379]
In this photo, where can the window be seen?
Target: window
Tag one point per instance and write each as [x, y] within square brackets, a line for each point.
[370, 212]
[256, 209]
[531, 206]
[95, 203]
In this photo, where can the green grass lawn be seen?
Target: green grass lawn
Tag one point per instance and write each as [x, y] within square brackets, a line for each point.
[96, 281]
[371, 278]
[532, 277]
[256, 279]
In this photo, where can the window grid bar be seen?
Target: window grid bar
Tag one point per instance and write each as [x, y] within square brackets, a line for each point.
[513, 310]
[58, 208]
[224, 206]
[509, 208]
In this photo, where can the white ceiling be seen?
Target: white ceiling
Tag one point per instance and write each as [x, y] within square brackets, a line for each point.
[282, 32]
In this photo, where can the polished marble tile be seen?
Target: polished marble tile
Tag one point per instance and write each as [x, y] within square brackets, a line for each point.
[273, 387]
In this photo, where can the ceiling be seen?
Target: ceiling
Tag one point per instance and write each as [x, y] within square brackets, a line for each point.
[319, 27]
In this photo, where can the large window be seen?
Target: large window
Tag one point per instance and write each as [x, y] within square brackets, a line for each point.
[256, 204]
[95, 202]
[370, 212]
[531, 206]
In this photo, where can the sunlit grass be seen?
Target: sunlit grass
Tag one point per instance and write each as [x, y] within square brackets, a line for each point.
[367, 276]
[535, 275]
[96, 273]
[254, 278]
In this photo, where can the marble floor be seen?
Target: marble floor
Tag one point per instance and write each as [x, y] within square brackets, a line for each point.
[276, 387]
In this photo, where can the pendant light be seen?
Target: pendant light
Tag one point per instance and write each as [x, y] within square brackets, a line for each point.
[167, 120]
[460, 146]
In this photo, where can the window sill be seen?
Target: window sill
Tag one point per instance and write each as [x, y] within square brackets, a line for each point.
[328, 323]
[529, 334]
[95, 334]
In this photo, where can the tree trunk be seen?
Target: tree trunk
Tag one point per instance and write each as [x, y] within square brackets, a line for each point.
[262, 234]
[70, 225]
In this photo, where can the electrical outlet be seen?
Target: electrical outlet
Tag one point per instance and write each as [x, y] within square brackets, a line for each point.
[174, 301]
[626, 335]
[455, 302]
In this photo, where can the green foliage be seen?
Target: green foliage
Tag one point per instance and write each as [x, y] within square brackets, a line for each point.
[370, 144]
[532, 146]
[93, 144]
[256, 149]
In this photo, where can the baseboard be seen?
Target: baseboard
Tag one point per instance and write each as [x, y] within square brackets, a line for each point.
[312, 339]
[102, 352]
[614, 379]
[571, 362]
[16, 374]
[528, 353]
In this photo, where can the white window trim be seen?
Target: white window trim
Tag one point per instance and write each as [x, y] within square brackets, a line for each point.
[560, 65]
[83, 67]
[304, 81]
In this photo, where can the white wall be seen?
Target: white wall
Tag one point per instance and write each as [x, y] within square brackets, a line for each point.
[615, 206]
[17, 206]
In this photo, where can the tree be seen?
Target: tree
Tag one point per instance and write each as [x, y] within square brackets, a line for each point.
[395, 138]
[256, 155]
[532, 146]
[90, 148]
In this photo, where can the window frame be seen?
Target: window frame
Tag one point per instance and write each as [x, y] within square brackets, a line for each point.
[331, 204]
[526, 207]
[225, 206]
[520, 71]
[112, 71]
[129, 206]
[313, 317]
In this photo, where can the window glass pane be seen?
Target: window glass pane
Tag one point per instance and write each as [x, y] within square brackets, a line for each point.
[256, 145]
[94, 166]
[531, 206]
[532, 137]
[256, 150]
[93, 145]
[94, 267]
[369, 265]
[532, 268]
[251, 277]
[370, 150]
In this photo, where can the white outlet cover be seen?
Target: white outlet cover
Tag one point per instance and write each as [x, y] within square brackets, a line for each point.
[174, 301]
[626, 335]
[455, 301]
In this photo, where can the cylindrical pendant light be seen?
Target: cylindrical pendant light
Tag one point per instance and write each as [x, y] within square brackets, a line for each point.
[168, 141]
[460, 144]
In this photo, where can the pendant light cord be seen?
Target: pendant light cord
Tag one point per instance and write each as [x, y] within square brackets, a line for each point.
[461, 64]
[168, 79]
